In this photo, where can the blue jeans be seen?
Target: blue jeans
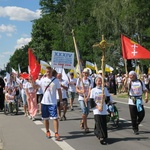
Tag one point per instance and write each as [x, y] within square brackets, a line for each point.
[85, 109]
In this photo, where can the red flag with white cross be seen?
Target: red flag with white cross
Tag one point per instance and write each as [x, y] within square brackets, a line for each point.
[133, 50]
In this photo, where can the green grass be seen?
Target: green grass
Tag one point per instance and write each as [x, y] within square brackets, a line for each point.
[122, 95]
[125, 95]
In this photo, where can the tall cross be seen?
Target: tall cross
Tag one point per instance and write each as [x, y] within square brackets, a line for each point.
[134, 49]
[102, 45]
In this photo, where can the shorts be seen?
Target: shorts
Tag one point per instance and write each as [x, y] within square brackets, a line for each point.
[64, 101]
[24, 98]
[49, 112]
[85, 110]
[71, 95]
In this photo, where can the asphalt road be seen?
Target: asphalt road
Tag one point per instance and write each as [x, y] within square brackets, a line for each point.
[21, 133]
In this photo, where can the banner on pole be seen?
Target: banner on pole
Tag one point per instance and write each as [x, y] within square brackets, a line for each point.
[61, 59]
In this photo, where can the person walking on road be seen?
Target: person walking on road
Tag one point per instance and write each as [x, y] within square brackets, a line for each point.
[100, 115]
[136, 88]
[50, 85]
[2, 86]
[64, 104]
[72, 90]
[83, 88]
[24, 97]
[39, 92]
[30, 89]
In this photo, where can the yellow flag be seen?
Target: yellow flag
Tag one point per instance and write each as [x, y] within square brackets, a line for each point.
[90, 65]
[137, 70]
[74, 72]
[43, 66]
[108, 68]
[149, 70]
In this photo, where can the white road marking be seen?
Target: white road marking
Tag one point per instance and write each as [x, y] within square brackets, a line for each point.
[62, 144]
[128, 121]
[37, 122]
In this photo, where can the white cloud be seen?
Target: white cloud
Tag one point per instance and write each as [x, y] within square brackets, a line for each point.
[9, 34]
[8, 53]
[19, 13]
[21, 42]
[2, 56]
[7, 28]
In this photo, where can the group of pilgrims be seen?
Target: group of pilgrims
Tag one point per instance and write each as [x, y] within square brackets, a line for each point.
[51, 96]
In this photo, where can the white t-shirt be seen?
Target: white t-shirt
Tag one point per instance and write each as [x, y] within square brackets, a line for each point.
[63, 91]
[91, 80]
[87, 85]
[119, 79]
[39, 91]
[72, 85]
[23, 86]
[11, 85]
[49, 97]
[136, 90]
[29, 87]
[146, 80]
[9, 97]
[96, 94]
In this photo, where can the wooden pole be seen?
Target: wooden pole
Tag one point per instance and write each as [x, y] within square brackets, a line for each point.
[77, 53]
[102, 45]
[78, 60]
[125, 64]
[103, 71]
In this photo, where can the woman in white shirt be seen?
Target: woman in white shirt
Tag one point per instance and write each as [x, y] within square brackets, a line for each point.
[83, 88]
[100, 115]
[31, 88]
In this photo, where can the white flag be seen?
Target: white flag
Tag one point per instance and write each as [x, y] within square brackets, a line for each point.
[14, 71]
[90, 65]
[108, 68]
[43, 66]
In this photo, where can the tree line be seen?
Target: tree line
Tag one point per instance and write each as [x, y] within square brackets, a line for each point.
[90, 19]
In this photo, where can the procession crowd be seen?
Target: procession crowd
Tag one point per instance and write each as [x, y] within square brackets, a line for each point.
[51, 96]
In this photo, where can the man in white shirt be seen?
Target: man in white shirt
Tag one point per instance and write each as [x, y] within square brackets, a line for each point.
[72, 89]
[64, 104]
[39, 92]
[119, 82]
[49, 86]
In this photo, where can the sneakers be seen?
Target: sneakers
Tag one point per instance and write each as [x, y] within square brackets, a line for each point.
[64, 118]
[25, 115]
[72, 109]
[33, 119]
[48, 134]
[103, 142]
[30, 117]
[57, 138]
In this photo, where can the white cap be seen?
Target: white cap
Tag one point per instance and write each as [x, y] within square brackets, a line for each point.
[99, 71]
[85, 70]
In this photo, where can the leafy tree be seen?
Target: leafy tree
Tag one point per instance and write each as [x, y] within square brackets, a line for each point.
[90, 19]
[20, 57]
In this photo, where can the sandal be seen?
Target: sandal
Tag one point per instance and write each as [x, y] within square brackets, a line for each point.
[87, 130]
[81, 124]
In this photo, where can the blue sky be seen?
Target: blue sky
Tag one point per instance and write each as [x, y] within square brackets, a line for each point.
[16, 25]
